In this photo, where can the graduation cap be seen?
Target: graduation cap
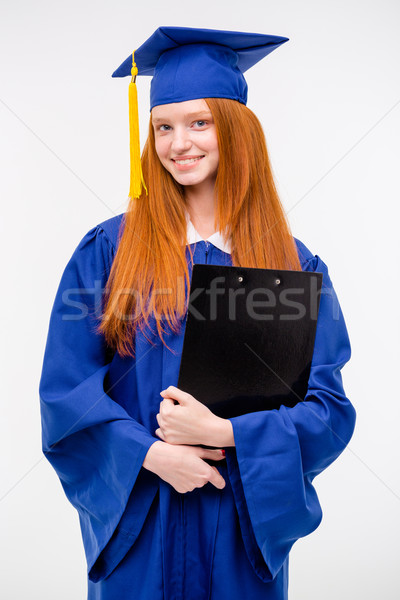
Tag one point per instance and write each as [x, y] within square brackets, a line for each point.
[186, 64]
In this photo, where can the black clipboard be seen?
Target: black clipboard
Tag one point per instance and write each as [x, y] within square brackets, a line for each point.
[249, 337]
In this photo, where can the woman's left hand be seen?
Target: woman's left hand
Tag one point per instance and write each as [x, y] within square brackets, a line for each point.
[189, 421]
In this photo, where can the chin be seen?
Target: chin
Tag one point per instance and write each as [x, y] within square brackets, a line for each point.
[187, 179]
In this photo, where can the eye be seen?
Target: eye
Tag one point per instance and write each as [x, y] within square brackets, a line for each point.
[201, 123]
[164, 127]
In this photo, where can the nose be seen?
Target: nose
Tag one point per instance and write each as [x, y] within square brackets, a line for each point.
[181, 141]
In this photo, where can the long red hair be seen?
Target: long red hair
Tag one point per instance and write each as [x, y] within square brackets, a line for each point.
[150, 270]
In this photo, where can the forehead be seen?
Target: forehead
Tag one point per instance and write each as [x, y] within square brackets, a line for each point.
[189, 108]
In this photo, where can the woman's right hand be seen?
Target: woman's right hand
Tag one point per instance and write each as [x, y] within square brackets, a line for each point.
[184, 467]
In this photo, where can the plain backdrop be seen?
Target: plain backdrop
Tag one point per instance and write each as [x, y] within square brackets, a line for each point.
[329, 102]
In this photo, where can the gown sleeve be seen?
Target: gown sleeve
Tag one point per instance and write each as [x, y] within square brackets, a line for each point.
[277, 453]
[95, 446]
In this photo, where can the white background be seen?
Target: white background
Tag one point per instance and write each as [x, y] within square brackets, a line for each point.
[329, 101]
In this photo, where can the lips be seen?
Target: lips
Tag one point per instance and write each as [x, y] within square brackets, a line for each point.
[187, 160]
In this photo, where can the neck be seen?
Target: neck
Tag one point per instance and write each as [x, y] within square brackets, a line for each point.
[201, 205]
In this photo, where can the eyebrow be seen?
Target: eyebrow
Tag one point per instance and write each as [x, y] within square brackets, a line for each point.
[191, 115]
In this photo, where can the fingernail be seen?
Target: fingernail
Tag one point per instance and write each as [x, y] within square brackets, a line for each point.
[223, 452]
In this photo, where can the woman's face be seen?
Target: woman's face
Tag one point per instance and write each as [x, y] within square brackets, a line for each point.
[186, 141]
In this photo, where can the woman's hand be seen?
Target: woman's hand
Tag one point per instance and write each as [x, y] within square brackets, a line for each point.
[190, 421]
[183, 467]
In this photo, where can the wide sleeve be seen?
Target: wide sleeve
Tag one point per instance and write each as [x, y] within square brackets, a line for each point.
[94, 445]
[277, 453]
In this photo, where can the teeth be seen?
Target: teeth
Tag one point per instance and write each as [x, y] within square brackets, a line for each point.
[187, 160]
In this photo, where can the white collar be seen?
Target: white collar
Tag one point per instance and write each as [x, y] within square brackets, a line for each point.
[216, 239]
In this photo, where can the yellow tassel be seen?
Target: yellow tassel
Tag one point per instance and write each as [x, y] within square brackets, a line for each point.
[137, 181]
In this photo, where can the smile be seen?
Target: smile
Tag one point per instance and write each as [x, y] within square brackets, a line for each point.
[186, 161]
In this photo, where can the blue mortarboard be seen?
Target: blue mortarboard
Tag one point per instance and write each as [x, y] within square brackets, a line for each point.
[187, 64]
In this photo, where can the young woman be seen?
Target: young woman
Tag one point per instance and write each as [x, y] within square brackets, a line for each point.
[161, 515]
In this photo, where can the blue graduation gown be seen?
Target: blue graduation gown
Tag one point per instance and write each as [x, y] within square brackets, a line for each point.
[143, 540]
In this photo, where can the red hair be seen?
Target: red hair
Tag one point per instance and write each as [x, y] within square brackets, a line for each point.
[150, 269]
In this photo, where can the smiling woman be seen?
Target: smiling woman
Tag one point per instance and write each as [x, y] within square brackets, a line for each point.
[186, 143]
[241, 203]
[162, 515]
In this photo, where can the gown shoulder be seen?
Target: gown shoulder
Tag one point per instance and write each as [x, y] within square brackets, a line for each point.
[112, 228]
